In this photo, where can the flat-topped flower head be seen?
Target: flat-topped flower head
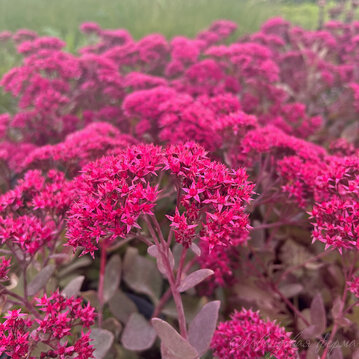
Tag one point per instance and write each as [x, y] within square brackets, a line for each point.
[335, 212]
[49, 329]
[247, 336]
[114, 192]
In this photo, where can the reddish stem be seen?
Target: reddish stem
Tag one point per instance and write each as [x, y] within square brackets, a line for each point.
[162, 303]
[169, 239]
[347, 310]
[327, 346]
[168, 293]
[25, 302]
[181, 265]
[348, 274]
[163, 249]
[275, 289]
[290, 305]
[101, 281]
[176, 297]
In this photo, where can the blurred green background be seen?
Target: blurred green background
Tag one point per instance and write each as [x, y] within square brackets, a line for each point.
[169, 17]
[61, 18]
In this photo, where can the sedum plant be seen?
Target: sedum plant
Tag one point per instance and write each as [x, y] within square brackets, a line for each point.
[183, 198]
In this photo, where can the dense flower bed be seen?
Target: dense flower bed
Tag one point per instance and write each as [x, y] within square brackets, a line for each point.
[150, 187]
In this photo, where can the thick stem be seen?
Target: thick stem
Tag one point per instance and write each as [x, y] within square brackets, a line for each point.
[25, 302]
[151, 230]
[163, 249]
[327, 346]
[169, 239]
[101, 282]
[177, 299]
[348, 274]
[290, 305]
[168, 292]
[159, 232]
[181, 265]
[162, 303]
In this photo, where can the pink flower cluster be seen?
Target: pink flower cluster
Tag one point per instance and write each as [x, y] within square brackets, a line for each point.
[32, 214]
[248, 336]
[336, 212]
[21, 333]
[78, 148]
[115, 191]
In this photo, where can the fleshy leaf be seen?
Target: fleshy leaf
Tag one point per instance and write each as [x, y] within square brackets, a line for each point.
[153, 252]
[121, 306]
[317, 318]
[202, 327]
[317, 313]
[113, 325]
[40, 280]
[141, 274]
[194, 278]
[102, 340]
[138, 334]
[310, 332]
[174, 346]
[73, 287]
[195, 249]
[291, 290]
[76, 264]
[112, 277]
[191, 306]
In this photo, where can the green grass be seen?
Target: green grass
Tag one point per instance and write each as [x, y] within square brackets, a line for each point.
[140, 17]
[169, 17]
[306, 14]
